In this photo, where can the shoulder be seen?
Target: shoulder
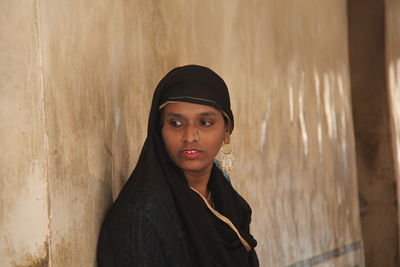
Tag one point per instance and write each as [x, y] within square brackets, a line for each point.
[144, 223]
[131, 235]
[143, 201]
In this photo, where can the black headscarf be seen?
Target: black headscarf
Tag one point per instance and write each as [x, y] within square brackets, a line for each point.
[214, 243]
[194, 84]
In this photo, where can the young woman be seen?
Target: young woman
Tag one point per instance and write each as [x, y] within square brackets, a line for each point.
[178, 208]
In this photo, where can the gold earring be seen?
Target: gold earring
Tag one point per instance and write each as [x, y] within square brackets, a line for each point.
[227, 158]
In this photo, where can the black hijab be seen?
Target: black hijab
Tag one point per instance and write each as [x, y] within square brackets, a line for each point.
[214, 243]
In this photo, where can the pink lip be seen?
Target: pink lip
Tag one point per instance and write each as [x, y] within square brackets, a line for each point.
[191, 155]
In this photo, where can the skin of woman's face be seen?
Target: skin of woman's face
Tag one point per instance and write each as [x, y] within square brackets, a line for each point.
[193, 135]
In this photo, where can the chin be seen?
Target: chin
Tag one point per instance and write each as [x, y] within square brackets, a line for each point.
[194, 168]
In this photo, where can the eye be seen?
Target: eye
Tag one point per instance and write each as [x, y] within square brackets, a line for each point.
[175, 123]
[204, 122]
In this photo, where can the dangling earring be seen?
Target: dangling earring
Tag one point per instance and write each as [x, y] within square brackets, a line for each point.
[227, 158]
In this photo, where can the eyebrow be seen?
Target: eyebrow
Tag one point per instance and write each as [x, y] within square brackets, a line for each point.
[204, 114]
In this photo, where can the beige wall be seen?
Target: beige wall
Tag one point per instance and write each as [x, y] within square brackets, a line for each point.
[80, 76]
[371, 115]
[23, 181]
[392, 39]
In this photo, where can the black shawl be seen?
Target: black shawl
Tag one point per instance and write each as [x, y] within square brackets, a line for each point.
[157, 220]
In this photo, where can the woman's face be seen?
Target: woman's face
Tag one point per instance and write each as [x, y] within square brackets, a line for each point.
[193, 135]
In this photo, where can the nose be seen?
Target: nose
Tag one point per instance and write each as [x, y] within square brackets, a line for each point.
[191, 134]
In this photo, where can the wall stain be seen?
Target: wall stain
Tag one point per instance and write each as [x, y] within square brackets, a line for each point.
[41, 259]
[31, 262]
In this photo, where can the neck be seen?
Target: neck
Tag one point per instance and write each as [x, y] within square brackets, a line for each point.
[199, 181]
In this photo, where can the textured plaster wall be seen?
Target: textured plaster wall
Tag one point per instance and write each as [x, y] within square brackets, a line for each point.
[392, 22]
[371, 113]
[95, 66]
[23, 191]
[296, 138]
[100, 64]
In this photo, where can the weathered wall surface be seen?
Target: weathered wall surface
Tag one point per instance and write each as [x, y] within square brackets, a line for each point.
[392, 30]
[23, 195]
[289, 83]
[100, 65]
[295, 139]
[371, 114]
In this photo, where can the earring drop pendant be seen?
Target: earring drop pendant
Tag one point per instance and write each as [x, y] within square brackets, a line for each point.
[227, 158]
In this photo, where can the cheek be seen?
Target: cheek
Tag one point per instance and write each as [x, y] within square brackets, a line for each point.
[215, 143]
[169, 141]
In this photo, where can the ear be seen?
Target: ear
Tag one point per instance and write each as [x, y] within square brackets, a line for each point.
[228, 131]
[227, 137]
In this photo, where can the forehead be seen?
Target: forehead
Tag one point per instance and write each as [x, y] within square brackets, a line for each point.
[189, 109]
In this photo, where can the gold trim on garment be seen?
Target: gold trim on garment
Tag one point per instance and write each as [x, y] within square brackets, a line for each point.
[225, 220]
